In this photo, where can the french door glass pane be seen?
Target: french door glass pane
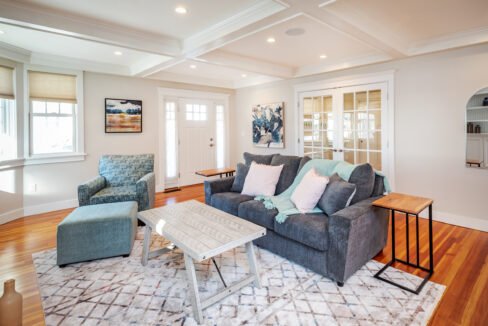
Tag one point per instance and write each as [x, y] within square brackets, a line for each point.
[327, 154]
[361, 101]
[348, 102]
[327, 104]
[307, 105]
[362, 129]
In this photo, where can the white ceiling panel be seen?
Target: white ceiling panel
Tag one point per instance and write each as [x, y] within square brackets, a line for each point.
[155, 16]
[58, 45]
[300, 50]
[408, 23]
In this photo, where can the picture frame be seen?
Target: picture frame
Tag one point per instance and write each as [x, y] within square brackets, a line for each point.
[268, 127]
[123, 116]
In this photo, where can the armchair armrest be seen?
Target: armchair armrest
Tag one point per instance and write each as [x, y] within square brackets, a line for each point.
[356, 234]
[146, 191]
[215, 186]
[89, 188]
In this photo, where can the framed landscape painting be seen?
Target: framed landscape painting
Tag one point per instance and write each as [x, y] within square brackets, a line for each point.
[268, 126]
[123, 116]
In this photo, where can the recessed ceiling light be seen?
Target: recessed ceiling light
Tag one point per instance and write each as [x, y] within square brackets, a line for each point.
[244, 75]
[297, 31]
[2, 32]
[180, 10]
[193, 66]
[323, 56]
[271, 40]
[117, 53]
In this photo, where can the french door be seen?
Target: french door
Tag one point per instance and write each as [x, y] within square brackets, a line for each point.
[347, 123]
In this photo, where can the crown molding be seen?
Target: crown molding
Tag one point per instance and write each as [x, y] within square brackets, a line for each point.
[14, 53]
[466, 38]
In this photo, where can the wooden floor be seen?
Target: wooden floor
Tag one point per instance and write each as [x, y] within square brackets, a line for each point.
[460, 261]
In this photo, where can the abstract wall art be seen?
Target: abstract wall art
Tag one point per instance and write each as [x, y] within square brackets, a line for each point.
[123, 116]
[268, 125]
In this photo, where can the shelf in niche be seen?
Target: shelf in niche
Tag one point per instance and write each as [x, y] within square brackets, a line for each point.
[478, 108]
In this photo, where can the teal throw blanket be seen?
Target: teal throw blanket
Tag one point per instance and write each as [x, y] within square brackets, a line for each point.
[283, 203]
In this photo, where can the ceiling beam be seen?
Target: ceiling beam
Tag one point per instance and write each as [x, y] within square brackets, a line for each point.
[61, 23]
[193, 48]
[317, 10]
[230, 60]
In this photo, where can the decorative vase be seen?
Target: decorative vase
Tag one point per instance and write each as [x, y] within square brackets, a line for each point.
[10, 305]
[477, 129]
[470, 127]
[485, 101]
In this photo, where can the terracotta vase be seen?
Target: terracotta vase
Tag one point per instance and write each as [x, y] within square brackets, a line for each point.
[10, 305]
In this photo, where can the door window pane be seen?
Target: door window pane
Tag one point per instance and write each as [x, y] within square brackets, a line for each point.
[327, 104]
[307, 105]
[374, 100]
[375, 160]
[374, 120]
[348, 102]
[220, 136]
[171, 140]
[349, 139]
[361, 101]
[349, 156]
[361, 157]
[375, 140]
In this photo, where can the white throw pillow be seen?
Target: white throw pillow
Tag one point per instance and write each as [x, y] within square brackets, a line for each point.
[308, 192]
[261, 179]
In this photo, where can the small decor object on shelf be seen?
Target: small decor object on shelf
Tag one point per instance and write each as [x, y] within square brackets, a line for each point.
[470, 127]
[123, 116]
[10, 305]
[485, 101]
[477, 129]
[268, 126]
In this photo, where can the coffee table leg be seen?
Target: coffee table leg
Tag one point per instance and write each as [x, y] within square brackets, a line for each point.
[147, 242]
[253, 264]
[192, 282]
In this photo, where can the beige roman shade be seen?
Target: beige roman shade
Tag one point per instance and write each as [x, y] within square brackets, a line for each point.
[49, 86]
[6, 82]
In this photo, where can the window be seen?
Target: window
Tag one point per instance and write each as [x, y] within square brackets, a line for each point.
[53, 113]
[220, 135]
[8, 139]
[170, 140]
[196, 112]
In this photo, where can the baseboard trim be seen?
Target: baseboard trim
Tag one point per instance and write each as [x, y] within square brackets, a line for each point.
[458, 220]
[49, 207]
[11, 215]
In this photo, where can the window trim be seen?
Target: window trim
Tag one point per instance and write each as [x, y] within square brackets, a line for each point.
[79, 146]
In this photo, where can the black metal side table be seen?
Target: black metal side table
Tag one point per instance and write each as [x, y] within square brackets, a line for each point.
[410, 206]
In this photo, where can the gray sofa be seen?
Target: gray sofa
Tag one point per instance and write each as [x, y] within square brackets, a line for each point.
[335, 246]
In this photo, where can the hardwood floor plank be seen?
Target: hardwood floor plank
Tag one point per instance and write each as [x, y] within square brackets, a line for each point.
[460, 255]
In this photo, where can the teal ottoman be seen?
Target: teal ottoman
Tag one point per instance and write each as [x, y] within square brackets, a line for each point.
[97, 231]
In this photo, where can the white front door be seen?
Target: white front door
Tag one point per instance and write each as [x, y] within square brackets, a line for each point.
[196, 133]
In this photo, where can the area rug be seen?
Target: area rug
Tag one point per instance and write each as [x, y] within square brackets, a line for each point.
[120, 291]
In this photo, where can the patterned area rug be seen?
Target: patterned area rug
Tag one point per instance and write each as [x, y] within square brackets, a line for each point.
[121, 291]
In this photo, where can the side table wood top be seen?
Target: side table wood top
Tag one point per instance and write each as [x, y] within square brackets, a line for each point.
[403, 203]
[214, 172]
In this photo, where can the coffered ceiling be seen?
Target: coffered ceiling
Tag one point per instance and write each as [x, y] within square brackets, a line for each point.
[233, 43]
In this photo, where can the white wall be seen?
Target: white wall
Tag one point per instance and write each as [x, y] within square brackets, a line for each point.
[431, 93]
[56, 184]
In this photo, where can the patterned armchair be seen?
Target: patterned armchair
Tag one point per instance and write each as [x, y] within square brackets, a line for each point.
[122, 178]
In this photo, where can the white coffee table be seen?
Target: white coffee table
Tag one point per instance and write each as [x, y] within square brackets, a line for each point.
[202, 232]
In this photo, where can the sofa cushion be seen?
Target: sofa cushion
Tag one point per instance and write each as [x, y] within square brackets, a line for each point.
[303, 161]
[290, 169]
[309, 191]
[337, 195]
[363, 177]
[379, 185]
[255, 212]
[261, 180]
[308, 229]
[114, 194]
[228, 201]
[260, 159]
[241, 174]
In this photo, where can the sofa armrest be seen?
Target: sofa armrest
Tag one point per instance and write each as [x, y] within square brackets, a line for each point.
[89, 188]
[215, 186]
[356, 234]
[146, 191]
